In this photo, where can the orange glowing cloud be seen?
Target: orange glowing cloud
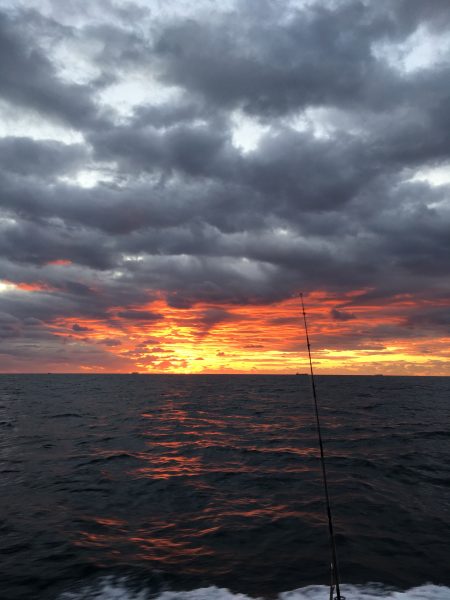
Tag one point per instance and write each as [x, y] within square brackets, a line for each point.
[347, 336]
[27, 286]
[60, 262]
[354, 333]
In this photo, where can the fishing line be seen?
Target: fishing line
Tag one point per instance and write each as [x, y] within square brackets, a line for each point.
[335, 579]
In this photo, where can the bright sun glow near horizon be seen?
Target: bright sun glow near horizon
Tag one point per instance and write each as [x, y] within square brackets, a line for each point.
[256, 339]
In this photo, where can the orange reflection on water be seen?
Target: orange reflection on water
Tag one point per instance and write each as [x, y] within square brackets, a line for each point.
[180, 466]
[305, 451]
[166, 444]
[89, 539]
[164, 467]
[110, 522]
[167, 550]
[235, 512]
[160, 541]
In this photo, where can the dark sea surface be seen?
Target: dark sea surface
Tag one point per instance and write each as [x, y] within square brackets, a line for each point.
[209, 487]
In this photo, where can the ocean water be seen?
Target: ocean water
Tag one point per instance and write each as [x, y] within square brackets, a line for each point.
[209, 487]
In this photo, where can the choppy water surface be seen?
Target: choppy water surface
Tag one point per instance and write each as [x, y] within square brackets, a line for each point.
[129, 486]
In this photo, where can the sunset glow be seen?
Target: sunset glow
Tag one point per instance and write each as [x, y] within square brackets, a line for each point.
[359, 337]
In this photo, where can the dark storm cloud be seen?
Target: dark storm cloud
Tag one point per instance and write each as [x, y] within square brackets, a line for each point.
[325, 198]
[29, 77]
[25, 241]
[215, 316]
[50, 353]
[24, 156]
[197, 151]
[79, 328]
[411, 13]
[340, 315]
[321, 55]
[175, 113]
[10, 326]
[435, 317]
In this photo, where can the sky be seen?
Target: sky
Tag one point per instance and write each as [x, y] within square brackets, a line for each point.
[173, 174]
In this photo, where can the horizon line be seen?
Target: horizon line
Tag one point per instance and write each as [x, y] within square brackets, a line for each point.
[7, 373]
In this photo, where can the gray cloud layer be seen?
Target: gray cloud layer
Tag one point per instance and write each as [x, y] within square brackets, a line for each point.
[325, 196]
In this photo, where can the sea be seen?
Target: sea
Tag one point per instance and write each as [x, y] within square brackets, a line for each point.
[209, 487]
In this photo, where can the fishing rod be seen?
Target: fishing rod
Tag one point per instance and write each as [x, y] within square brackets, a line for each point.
[335, 578]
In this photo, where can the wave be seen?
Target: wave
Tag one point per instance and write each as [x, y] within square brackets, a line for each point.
[113, 589]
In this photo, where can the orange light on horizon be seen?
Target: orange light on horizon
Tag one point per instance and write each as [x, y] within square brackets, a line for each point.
[350, 333]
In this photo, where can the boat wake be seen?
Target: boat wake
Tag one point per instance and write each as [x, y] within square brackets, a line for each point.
[109, 589]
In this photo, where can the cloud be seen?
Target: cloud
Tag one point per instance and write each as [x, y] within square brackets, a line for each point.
[79, 328]
[340, 315]
[43, 159]
[110, 342]
[125, 185]
[214, 316]
[30, 77]
[139, 315]
[9, 326]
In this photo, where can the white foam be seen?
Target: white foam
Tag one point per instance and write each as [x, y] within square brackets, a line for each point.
[109, 589]
[371, 592]
[106, 590]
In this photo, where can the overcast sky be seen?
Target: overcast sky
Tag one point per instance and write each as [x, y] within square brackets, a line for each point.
[170, 162]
